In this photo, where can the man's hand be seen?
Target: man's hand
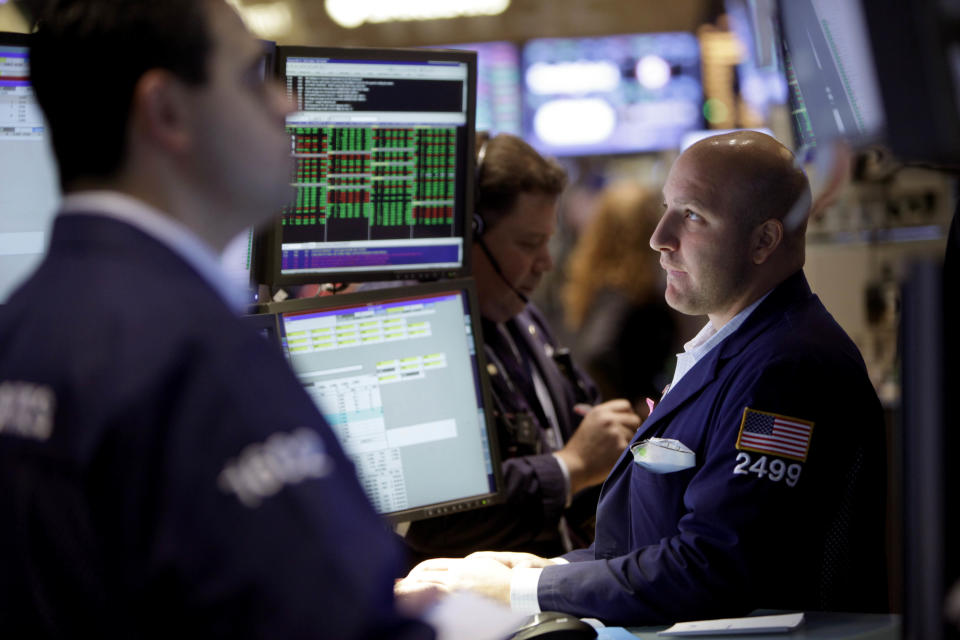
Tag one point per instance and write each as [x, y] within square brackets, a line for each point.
[414, 598]
[480, 575]
[602, 436]
[513, 559]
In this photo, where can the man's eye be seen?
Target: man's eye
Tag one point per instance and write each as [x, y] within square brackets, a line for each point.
[692, 215]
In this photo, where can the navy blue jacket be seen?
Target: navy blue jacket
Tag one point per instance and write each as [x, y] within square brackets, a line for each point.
[188, 486]
[534, 489]
[743, 529]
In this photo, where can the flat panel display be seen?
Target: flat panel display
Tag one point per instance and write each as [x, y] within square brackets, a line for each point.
[397, 374]
[830, 72]
[384, 182]
[29, 189]
[615, 94]
[498, 86]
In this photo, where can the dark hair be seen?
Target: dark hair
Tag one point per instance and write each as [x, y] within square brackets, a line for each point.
[506, 167]
[86, 59]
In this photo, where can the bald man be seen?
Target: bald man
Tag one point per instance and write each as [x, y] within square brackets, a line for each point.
[758, 481]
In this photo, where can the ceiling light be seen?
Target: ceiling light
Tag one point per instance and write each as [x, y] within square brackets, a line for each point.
[353, 13]
[271, 20]
[575, 121]
[572, 77]
[653, 72]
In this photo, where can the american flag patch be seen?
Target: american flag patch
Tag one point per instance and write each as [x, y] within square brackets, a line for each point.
[774, 434]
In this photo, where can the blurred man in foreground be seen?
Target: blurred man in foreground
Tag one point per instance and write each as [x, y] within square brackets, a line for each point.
[162, 472]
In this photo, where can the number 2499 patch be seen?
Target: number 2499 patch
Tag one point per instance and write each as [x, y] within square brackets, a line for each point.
[775, 471]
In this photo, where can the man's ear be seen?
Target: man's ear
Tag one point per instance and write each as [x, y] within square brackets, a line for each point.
[765, 240]
[159, 112]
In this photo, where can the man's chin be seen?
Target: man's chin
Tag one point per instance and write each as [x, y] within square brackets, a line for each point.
[682, 304]
[502, 310]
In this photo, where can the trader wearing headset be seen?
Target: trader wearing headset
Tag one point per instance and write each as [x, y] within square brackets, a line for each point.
[555, 441]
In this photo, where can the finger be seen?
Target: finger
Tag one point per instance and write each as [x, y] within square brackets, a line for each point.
[416, 598]
[628, 427]
[617, 404]
[429, 566]
[507, 559]
[582, 409]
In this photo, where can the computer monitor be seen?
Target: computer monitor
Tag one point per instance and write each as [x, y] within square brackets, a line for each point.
[615, 94]
[398, 374]
[498, 86]
[384, 143]
[832, 79]
[916, 46]
[29, 189]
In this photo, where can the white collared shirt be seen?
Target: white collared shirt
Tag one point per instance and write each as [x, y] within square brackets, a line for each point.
[162, 228]
[524, 582]
[705, 341]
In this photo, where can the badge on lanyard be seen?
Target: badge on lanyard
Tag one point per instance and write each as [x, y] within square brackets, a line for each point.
[663, 455]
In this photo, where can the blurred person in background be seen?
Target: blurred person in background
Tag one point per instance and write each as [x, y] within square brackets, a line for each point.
[626, 334]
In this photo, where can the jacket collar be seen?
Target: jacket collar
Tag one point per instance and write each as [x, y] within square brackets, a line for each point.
[792, 290]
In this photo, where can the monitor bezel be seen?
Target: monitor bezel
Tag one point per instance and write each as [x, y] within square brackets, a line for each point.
[467, 287]
[267, 251]
[13, 39]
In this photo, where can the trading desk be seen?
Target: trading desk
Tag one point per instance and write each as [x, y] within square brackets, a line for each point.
[817, 625]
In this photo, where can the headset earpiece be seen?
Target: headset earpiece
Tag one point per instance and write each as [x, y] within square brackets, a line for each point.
[478, 226]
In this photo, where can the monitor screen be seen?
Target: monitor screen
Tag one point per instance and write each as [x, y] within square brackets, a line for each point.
[29, 189]
[498, 86]
[384, 180]
[830, 73]
[397, 374]
[615, 94]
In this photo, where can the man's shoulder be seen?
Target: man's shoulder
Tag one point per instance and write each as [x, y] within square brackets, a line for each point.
[108, 317]
[793, 323]
[803, 358]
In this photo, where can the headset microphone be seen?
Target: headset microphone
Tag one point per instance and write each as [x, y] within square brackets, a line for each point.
[478, 229]
[496, 267]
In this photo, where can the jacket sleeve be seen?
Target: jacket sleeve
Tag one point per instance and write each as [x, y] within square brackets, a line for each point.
[746, 524]
[261, 528]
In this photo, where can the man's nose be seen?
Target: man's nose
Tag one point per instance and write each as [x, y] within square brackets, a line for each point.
[544, 260]
[664, 237]
[281, 103]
